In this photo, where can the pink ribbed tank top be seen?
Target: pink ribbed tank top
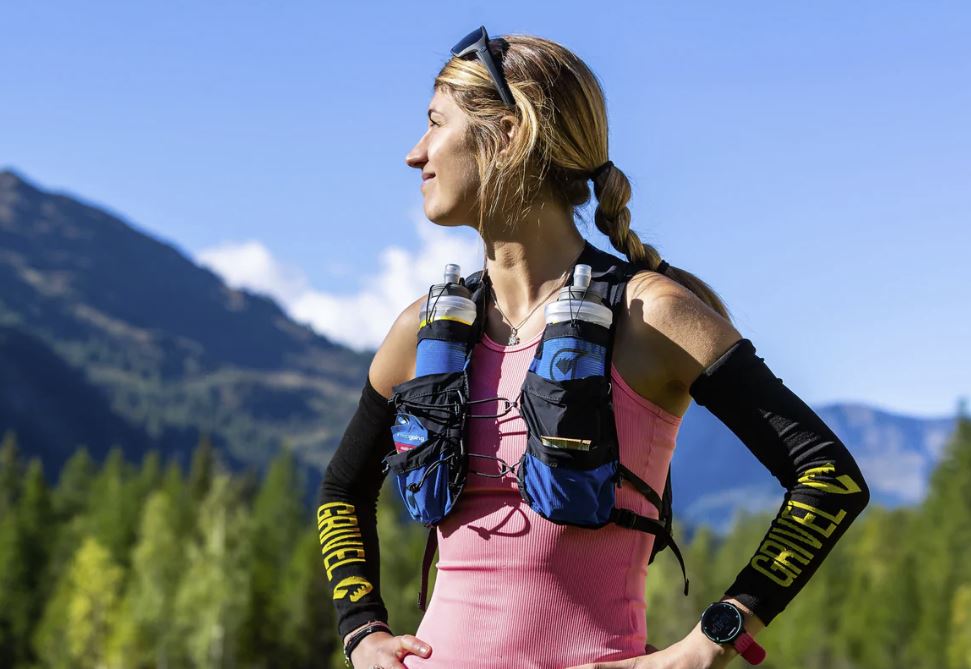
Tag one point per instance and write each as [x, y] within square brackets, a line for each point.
[516, 590]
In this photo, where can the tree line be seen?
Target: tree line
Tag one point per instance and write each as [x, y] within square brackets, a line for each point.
[121, 565]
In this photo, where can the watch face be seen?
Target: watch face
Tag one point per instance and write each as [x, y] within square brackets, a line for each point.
[721, 622]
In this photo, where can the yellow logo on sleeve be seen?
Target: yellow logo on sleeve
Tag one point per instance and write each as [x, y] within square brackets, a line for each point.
[344, 587]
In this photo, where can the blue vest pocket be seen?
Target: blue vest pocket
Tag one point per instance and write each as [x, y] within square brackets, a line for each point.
[430, 475]
[570, 467]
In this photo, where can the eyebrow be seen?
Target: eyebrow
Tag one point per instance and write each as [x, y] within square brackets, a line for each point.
[434, 111]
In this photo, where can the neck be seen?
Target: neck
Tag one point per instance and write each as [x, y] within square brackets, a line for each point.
[528, 263]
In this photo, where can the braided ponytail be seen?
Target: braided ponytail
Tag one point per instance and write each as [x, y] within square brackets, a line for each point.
[612, 218]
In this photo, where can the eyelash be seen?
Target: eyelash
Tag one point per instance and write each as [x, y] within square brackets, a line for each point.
[431, 122]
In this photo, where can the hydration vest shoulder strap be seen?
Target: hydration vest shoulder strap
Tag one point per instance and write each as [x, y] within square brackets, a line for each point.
[478, 287]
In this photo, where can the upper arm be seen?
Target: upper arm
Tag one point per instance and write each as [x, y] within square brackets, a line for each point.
[394, 361]
[687, 334]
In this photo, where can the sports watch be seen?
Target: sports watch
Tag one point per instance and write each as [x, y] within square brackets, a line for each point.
[722, 622]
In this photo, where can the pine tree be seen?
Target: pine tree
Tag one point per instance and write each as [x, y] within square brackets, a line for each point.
[11, 472]
[879, 616]
[69, 503]
[202, 470]
[183, 506]
[48, 640]
[277, 521]
[943, 533]
[12, 558]
[95, 583]
[114, 507]
[212, 599]
[959, 645]
[145, 636]
[149, 476]
[307, 627]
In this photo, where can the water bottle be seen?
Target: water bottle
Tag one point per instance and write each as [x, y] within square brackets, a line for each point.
[571, 356]
[445, 325]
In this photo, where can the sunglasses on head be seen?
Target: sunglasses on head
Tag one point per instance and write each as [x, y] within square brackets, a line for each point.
[477, 42]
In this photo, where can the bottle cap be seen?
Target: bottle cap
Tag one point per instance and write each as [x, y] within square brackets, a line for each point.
[581, 275]
[452, 273]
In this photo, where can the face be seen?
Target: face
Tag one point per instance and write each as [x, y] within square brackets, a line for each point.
[443, 155]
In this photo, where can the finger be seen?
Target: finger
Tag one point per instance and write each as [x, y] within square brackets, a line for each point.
[412, 644]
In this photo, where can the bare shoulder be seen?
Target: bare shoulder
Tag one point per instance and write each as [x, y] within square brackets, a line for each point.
[394, 361]
[677, 326]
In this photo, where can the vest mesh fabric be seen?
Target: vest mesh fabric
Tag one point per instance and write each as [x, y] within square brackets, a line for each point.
[515, 590]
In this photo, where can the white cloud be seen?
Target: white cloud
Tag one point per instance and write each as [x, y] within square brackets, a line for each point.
[250, 265]
[362, 319]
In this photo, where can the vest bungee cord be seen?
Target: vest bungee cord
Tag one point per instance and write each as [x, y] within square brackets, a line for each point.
[570, 468]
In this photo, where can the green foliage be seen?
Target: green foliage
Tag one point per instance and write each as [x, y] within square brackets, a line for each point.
[197, 572]
[210, 605]
[144, 635]
[278, 520]
[23, 550]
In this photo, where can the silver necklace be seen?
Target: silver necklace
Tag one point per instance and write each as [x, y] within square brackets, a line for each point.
[513, 338]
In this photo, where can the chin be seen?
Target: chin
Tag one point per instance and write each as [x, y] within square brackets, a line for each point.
[444, 219]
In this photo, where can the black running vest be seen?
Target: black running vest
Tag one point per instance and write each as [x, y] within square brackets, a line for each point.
[570, 467]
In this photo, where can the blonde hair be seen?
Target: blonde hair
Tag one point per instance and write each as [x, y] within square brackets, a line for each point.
[562, 138]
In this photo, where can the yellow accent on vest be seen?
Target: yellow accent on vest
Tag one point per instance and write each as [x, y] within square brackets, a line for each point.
[564, 442]
[443, 318]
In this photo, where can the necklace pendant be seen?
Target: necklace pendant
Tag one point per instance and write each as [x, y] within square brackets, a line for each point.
[513, 339]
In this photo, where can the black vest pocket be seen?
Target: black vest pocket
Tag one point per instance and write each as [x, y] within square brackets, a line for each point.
[570, 467]
[430, 475]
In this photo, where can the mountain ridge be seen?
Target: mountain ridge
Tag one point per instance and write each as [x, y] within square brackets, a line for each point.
[161, 351]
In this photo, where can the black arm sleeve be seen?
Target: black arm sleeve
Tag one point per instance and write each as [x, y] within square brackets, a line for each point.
[347, 513]
[825, 490]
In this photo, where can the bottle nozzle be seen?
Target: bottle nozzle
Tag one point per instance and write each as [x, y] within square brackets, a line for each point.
[452, 273]
[581, 276]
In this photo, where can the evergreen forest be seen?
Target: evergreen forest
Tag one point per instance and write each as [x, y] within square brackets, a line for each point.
[121, 565]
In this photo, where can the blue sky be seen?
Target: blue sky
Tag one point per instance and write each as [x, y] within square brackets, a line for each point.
[811, 161]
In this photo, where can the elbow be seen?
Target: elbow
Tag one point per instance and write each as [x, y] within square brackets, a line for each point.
[860, 498]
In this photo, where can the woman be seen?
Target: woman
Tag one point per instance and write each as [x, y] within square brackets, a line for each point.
[517, 128]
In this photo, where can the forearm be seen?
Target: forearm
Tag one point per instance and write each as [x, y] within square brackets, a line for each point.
[347, 514]
[825, 490]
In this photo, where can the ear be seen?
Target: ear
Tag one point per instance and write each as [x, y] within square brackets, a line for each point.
[509, 125]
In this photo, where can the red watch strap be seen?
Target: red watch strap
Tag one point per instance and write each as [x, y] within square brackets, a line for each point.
[749, 648]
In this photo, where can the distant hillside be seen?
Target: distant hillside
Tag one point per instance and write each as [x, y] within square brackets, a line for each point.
[110, 336]
[163, 344]
[714, 474]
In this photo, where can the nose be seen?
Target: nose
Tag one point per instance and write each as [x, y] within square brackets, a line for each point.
[418, 156]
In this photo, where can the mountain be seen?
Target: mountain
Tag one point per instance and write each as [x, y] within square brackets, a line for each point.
[714, 475]
[116, 336]
[111, 336]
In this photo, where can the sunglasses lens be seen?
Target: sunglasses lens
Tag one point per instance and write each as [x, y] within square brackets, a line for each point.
[469, 43]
